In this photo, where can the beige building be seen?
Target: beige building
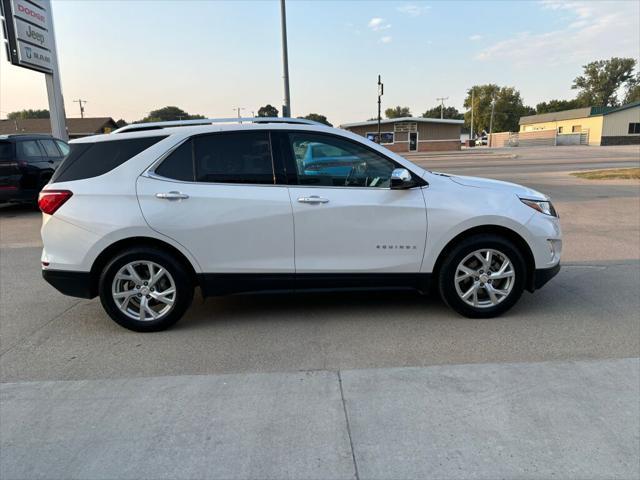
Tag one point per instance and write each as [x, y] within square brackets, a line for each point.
[411, 134]
[594, 125]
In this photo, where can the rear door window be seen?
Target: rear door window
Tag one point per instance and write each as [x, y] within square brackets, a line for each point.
[234, 157]
[49, 148]
[29, 150]
[87, 160]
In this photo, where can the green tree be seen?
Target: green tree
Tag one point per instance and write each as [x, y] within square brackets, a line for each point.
[25, 114]
[268, 111]
[633, 89]
[316, 117]
[508, 109]
[601, 80]
[559, 105]
[448, 112]
[167, 114]
[121, 123]
[397, 112]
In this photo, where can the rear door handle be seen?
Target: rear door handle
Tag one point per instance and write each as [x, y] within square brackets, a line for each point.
[172, 195]
[313, 199]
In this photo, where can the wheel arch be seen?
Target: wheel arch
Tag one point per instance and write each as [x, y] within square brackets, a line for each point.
[113, 249]
[502, 231]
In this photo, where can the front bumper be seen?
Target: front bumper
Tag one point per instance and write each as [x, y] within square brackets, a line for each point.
[73, 284]
[543, 275]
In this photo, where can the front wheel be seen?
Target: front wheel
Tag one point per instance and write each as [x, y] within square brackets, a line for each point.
[145, 290]
[483, 276]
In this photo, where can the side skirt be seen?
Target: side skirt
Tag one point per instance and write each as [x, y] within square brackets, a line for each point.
[214, 284]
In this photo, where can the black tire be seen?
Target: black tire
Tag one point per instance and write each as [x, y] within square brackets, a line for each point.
[182, 279]
[447, 272]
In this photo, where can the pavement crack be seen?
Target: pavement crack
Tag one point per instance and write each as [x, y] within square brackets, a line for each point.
[31, 334]
[346, 418]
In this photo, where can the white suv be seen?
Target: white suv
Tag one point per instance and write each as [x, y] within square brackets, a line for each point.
[144, 215]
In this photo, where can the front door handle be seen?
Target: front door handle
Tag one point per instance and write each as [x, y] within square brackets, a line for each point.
[172, 195]
[313, 199]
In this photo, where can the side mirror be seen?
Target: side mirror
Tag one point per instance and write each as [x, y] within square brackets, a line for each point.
[401, 178]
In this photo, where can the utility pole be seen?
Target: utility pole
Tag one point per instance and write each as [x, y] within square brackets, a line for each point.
[472, 97]
[286, 108]
[493, 107]
[441, 100]
[380, 93]
[80, 101]
[238, 109]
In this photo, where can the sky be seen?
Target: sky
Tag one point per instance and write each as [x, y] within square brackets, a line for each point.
[128, 57]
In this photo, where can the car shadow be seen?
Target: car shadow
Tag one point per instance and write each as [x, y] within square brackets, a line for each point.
[12, 210]
[312, 305]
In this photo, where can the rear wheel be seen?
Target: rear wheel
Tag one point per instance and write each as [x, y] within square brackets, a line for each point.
[483, 276]
[145, 290]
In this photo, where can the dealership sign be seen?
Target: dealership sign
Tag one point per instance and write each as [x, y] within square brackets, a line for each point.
[27, 26]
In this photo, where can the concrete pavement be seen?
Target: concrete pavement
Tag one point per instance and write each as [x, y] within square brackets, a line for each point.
[533, 421]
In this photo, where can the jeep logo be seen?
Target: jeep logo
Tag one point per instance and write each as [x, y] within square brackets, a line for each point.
[35, 35]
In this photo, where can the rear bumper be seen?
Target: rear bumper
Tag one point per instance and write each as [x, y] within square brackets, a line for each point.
[543, 275]
[73, 284]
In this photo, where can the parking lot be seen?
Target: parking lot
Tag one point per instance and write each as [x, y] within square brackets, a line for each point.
[583, 326]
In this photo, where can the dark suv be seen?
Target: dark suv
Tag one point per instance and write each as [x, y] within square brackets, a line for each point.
[26, 165]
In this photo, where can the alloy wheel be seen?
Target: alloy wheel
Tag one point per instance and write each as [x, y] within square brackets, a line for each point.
[144, 290]
[484, 278]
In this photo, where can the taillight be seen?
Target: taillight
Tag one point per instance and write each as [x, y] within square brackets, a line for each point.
[50, 201]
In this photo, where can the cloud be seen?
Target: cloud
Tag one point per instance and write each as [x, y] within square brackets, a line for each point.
[475, 38]
[386, 39]
[376, 24]
[593, 30]
[413, 10]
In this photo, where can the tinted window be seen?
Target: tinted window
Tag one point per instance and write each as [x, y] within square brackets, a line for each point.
[88, 160]
[50, 148]
[331, 161]
[235, 157]
[6, 151]
[29, 149]
[179, 164]
[64, 148]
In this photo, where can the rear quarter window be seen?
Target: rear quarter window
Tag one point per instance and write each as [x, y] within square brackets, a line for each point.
[88, 160]
[6, 151]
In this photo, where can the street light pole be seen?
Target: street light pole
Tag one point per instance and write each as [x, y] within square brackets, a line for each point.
[380, 93]
[286, 108]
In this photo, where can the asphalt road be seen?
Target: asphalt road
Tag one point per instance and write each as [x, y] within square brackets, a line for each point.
[385, 385]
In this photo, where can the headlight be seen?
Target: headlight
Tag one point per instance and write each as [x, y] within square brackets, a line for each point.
[545, 207]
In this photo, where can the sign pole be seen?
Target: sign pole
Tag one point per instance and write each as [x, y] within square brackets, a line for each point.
[54, 90]
[56, 107]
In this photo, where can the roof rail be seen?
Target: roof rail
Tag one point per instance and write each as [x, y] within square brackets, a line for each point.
[138, 127]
